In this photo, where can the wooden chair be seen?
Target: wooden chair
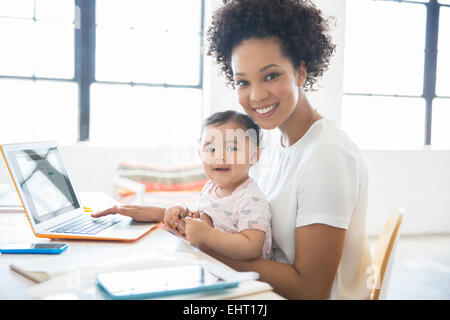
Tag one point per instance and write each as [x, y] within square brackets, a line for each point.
[383, 255]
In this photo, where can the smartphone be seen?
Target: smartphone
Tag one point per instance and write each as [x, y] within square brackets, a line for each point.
[38, 248]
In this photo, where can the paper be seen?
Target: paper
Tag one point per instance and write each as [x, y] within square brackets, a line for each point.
[43, 269]
[78, 281]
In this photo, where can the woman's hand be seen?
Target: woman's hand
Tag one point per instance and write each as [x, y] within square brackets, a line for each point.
[138, 213]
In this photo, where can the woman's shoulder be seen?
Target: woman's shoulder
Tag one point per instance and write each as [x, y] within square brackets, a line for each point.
[330, 140]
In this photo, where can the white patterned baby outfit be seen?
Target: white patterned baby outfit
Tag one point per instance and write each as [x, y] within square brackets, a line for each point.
[246, 209]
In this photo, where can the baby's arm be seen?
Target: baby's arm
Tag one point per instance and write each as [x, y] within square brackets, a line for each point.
[245, 245]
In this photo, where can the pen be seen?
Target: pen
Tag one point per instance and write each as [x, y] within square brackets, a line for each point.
[174, 226]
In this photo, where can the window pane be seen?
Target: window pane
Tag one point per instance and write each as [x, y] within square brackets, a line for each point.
[54, 43]
[384, 122]
[17, 8]
[56, 10]
[440, 134]
[443, 64]
[144, 116]
[41, 110]
[170, 15]
[164, 64]
[444, 1]
[113, 51]
[123, 56]
[144, 45]
[16, 43]
[47, 48]
[382, 54]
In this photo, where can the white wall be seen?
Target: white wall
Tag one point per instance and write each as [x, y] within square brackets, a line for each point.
[417, 180]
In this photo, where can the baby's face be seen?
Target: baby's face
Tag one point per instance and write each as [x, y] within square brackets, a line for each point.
[227, 153]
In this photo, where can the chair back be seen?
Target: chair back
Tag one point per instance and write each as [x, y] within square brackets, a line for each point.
[384, 253]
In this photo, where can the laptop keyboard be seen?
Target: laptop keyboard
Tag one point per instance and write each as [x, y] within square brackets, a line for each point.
[87, 225]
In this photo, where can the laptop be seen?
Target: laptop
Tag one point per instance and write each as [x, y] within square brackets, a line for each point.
[51, 203]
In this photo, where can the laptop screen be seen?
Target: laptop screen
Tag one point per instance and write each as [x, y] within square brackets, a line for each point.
[44, 182]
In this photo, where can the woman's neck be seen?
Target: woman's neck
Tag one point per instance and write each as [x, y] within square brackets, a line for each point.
[301, 119]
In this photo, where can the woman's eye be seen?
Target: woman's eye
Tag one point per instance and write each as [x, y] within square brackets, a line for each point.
[231, 149]
[272, 76]
[241, 83]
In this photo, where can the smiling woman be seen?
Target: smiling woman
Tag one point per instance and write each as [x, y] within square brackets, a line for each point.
[271, 52]
[310, 173]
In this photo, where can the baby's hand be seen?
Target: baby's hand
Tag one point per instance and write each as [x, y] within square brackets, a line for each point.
[197, 231]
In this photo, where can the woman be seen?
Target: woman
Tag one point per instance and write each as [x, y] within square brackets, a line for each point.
[271, 52]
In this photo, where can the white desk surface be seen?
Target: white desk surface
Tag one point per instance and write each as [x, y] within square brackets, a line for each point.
[14, 227]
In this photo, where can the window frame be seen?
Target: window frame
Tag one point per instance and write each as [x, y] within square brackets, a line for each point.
[430, 63]
[84, 66]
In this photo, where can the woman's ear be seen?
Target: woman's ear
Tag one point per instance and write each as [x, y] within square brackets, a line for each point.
[301, 74]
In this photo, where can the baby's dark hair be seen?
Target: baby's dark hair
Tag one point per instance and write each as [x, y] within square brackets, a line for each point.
[241, 119]
[298, 24]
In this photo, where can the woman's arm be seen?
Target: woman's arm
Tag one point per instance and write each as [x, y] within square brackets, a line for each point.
[318, 250]
[138, 213]
[245, 245]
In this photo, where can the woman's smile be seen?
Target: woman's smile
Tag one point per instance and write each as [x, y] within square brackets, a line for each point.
[266, 111]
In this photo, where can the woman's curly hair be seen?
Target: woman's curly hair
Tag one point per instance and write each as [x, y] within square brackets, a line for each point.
[299, 25]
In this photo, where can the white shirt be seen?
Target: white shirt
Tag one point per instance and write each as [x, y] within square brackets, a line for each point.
[322, 178]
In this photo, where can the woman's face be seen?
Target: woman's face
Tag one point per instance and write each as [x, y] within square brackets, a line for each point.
[267, 85]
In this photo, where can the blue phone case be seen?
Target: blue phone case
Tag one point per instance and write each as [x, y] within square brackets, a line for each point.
[155, 294]
[108, 286]
[33, 250]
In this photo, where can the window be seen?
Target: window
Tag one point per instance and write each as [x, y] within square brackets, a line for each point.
[38, 96]
[122, 72]
[147, 73]
[390, 96]
[443, 60]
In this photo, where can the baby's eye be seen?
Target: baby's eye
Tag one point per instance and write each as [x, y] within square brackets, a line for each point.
[272, 76]
[211, 149]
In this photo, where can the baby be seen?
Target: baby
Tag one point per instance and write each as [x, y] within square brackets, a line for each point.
[234, 214]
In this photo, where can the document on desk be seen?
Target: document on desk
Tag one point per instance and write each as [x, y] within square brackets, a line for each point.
[44, 269]
[61, 279]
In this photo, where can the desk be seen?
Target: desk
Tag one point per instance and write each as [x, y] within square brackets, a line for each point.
[14, 227]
